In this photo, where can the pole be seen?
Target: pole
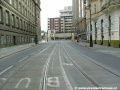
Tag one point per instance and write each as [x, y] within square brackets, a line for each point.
[36, 36]
[91, 42]
[54, 35]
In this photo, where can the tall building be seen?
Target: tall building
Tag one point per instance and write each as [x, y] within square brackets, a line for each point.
[105, 20]
[38, 20]
[55, 24]
[79, 17]
[18, 22]
[67, 15]
[75, 9]
[61, 27]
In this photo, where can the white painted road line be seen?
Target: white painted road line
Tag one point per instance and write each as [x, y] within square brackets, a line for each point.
[4, 79]
[23, 59]
[27, 84]
[69, 86]
[33, 53]
[5, 70]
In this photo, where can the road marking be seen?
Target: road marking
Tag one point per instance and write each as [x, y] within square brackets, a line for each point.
[43, 50]
[68, 64]
[53, 82]
[42, 85]
[23, 59]
[33, 53]
[69, 86]
[5, 70]
[27, 84]
[4, 79]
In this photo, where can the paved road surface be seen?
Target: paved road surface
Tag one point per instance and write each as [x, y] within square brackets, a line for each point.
[59, 65]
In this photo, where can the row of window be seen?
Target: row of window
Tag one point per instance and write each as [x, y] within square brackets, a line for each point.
[16, 22]
[22, 8]
[13, 40]
[19, 3]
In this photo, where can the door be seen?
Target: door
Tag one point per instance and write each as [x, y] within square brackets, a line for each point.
[14, 40]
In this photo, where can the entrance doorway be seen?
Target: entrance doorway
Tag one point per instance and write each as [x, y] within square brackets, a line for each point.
[14, 40]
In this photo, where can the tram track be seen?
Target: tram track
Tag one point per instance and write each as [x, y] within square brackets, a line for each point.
[21, 65]
[93, 61]
[81, 70]
[43, 80]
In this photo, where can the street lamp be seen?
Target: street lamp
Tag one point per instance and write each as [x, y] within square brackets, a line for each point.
[91, 42]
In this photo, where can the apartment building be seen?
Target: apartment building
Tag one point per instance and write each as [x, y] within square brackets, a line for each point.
[55, 24]
[66, 15]
[105, 20]
[18, 22]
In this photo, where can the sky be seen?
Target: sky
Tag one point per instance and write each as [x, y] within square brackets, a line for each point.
[50, 9]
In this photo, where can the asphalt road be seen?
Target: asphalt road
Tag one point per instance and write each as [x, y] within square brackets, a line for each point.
[59, 65]
[103, 58]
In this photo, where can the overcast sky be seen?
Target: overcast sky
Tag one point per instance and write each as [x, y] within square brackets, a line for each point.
[50, 9]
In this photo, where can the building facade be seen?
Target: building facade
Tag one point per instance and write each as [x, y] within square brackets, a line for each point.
[66, 15]
[55, 24]
[18, 22]
[38, 20]
[105, 20]
[79, 17]
[61, 27]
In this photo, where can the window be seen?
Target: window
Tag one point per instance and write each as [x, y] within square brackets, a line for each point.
[15, 3]
[13, 20]
[24, 26]
[25, 12]
[10, 1]
[17, 22]
[20, 23]
[19, 7]
[7, 17]
[101, 3]
[1, 14]
[95, 7]
[2, 39]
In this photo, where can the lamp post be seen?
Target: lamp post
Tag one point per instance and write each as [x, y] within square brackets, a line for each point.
[91, 42]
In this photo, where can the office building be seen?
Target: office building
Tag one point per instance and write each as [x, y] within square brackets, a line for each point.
[18, 24]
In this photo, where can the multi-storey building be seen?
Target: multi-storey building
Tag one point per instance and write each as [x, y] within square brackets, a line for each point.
[61, 27]
[37, 20]
[79, 17]
[18, 21]
[55, 24]
[105, 20]
[75, 9]
[67, 16]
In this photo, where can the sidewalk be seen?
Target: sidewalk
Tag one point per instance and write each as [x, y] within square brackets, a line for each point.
[96, 46]
[101, 48]
[11, 50]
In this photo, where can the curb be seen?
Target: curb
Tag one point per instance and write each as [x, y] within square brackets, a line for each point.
[9, 54]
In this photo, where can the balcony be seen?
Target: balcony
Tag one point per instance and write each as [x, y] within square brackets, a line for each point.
[111, 4]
